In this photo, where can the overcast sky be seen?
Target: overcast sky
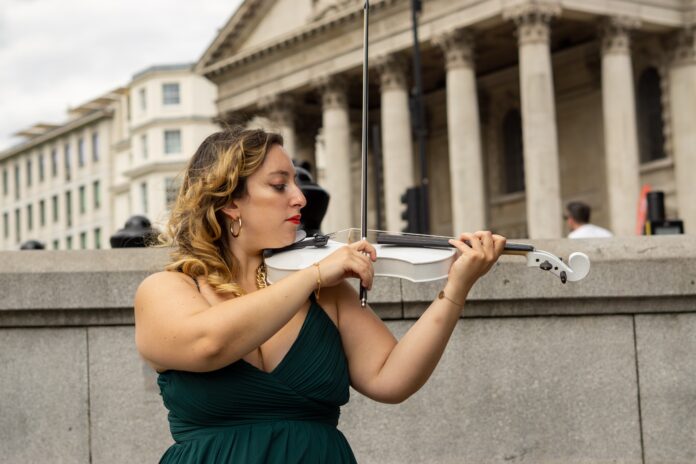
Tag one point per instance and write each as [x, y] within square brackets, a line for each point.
[60, 53]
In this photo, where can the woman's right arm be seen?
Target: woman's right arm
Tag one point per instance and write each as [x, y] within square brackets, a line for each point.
[176, 327]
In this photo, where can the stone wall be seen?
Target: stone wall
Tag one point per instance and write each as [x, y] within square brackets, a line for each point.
[594, 372]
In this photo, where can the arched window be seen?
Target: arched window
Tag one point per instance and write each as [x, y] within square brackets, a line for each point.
[651, 139]
[513, 162]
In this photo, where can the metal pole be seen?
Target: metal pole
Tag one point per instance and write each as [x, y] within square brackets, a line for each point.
[365, 107]
[423, 210]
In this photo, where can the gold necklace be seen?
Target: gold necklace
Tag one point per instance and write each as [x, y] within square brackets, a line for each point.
[261, 283]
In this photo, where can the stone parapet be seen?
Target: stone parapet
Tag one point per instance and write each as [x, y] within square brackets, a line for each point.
[97, 287]
[600, 372]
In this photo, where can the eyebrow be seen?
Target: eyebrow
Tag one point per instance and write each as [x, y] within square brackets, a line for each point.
[280, 173]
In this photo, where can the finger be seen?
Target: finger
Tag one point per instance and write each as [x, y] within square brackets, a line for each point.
[362, 266]
[474, 241]
[499, 242]
[461, 247]
[363, 246]
[486, 239]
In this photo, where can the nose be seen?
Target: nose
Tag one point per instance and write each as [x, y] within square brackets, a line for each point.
[298, 198]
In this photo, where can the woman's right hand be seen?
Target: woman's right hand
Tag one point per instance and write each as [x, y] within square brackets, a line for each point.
[354, 260]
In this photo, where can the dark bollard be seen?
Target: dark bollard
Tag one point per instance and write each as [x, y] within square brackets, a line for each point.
[32, 245]
[137, 233]
[317, 201]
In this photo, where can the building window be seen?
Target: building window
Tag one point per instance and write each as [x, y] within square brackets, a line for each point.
[54, 204]
[83, 240]
[143, 99]
[97, 198]
[42, 167]
[80, 152]
[17, 180]
[6, 224]
[171, 189]
[68, 242]
[18, 225]
[83, 199]
[54, 162]
[143, 196]
[170, 94]
[42, 213]
[30, 217]
[56, 244]
[68, 208]
[95, 146]
[29, 166]
[97, 238]
[172, 141]
[66, 153]
[513, 149]
[651, 138]
[5, 182]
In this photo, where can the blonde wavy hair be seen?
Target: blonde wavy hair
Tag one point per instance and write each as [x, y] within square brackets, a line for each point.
[197, 228]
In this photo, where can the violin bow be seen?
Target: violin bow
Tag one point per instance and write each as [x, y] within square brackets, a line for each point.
[363, 179]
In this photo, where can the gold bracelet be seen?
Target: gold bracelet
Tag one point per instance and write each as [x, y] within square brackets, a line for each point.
[442, 295]
[318, 290]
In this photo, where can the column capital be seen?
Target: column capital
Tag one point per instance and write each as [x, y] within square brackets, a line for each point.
[615, 32]
[684, 47]
[458, 47]
[533, 19]
[333, 91]
[392, 71]
[280, 107]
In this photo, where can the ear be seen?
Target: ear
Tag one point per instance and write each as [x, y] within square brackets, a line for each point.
[231, 211]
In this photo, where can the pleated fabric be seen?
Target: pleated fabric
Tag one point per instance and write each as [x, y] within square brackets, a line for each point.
[241, 414]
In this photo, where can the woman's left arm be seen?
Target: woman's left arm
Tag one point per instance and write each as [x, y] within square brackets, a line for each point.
[390, 372]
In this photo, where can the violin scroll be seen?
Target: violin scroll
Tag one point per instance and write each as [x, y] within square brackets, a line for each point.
[577, 268]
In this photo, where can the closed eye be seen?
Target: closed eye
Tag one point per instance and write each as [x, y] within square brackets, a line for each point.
[280, 187]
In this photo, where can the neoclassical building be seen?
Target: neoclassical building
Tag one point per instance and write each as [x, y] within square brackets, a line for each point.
[72, 185]
[529, 104]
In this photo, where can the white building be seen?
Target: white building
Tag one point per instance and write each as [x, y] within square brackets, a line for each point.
[73, 185]
[529, 103]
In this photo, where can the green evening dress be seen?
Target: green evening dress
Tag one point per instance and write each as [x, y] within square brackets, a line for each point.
[241, 414]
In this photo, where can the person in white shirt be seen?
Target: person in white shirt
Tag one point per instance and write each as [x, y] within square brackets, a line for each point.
[577, 216]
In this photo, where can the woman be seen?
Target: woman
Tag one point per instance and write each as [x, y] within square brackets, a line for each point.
[256, 374]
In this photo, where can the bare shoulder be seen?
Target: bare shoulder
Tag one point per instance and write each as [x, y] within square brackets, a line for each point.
[164, 283]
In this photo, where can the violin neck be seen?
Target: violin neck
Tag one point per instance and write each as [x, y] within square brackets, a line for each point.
[442, 242]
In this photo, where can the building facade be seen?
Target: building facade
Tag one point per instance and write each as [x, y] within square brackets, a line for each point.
[73, 185]
[529, 104]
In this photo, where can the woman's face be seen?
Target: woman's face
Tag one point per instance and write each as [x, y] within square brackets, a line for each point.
[270, 210]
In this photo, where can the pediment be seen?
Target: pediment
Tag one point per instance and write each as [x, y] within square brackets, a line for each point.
[254, 23]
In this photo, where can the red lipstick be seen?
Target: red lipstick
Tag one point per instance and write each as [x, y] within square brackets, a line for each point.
[295, 219]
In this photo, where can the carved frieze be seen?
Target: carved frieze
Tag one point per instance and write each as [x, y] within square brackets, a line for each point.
[323, 8]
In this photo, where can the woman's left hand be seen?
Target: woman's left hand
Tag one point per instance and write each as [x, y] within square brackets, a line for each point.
[475, 259]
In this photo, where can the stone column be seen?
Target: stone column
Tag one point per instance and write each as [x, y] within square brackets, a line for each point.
[463, 134]
[397, 146]
[682, 83]
[280, 110]
[539, 133]
[336, 154]
[620, 127]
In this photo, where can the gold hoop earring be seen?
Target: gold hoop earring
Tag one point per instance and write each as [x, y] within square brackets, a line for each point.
[239, 221]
